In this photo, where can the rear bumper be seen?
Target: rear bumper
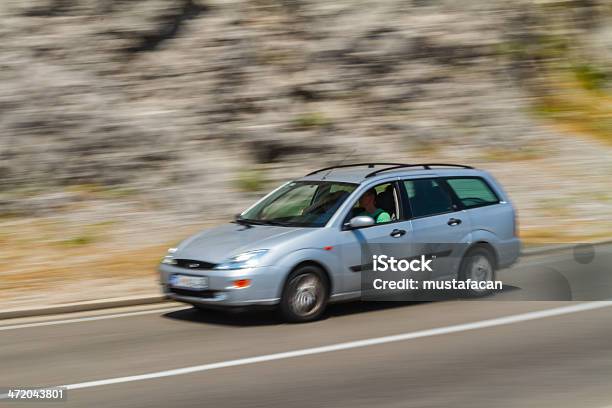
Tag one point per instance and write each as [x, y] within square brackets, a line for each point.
[264, 289]
[508, 252]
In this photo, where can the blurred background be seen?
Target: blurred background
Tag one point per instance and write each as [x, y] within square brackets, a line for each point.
[126, 125]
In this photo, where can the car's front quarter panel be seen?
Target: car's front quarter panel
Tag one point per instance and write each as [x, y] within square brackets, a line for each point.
[285, 252]
[327, 259]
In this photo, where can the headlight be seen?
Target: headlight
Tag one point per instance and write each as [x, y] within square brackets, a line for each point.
[248, 259]
[169, 258]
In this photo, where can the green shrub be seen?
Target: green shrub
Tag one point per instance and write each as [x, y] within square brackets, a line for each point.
[251, 180]
[79, 240]
[311, 120]
[591, 77]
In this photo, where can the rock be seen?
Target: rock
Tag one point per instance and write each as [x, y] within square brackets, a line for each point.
[136, 93]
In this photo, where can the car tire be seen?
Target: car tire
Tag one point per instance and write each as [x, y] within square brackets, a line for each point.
[305, 295]
[478, 264]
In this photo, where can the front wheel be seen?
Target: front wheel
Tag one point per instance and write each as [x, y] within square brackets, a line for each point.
[478, 265]
[305, 295]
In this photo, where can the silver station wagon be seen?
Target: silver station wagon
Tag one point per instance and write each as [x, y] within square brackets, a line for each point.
[302, 246]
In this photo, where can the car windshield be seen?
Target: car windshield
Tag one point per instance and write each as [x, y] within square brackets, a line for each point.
[299, 204]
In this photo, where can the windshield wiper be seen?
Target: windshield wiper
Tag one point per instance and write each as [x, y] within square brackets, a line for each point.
[250, 222]
[246, 222]
[279, 223]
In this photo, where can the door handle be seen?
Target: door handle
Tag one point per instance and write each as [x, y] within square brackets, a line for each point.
[454, 221]
[397, 233]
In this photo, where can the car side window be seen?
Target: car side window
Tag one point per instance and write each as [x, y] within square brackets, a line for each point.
[472, 191]
[387, 199]
[427, 197]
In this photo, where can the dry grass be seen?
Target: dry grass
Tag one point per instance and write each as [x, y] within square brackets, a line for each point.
[559, 235]
[78, 264]
[42, 255]
[46, 261]
[577, 108]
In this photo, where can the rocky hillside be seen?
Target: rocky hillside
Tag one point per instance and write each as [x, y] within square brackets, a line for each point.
[126, 125]
[193, 105]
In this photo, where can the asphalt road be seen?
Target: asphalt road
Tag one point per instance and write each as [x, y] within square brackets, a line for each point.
[562, 360]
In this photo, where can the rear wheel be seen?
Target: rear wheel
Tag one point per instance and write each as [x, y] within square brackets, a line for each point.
[305, 294]
[478, 265]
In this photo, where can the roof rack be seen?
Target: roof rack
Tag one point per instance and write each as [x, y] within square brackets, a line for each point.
[426, 166]
[370, 165]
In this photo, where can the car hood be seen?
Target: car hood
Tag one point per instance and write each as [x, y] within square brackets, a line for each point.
[216, 245]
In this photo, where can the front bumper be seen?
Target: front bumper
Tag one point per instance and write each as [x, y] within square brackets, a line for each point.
[264, 289]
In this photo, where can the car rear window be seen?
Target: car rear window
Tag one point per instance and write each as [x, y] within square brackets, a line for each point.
[472, 191]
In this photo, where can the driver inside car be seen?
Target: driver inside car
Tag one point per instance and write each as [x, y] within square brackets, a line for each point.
[368, 203]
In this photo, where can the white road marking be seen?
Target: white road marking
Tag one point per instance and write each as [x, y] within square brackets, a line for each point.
[89, 319]
[523, 317]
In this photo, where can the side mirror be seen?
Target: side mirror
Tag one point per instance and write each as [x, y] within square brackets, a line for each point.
[361, 221]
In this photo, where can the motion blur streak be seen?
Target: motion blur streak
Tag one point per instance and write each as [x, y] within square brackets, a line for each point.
[89, 319]
[351, 345]
[127, 126]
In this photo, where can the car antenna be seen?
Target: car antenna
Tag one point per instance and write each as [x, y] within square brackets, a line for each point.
[351, 154]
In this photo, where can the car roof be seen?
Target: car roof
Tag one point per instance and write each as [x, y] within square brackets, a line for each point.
[359, 173]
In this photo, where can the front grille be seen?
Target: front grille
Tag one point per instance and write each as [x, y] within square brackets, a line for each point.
[193, 264]
[205, 294]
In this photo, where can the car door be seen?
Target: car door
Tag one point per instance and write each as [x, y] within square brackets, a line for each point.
[357, 246]
[440, 230]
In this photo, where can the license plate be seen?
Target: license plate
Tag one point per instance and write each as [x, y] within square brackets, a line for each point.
[189, 282]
